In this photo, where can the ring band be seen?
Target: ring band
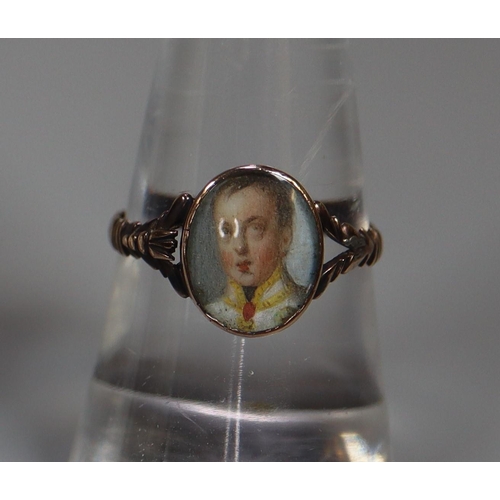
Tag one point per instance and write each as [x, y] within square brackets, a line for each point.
[251, 250]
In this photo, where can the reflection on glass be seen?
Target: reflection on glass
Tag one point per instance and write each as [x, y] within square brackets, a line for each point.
[358, 449]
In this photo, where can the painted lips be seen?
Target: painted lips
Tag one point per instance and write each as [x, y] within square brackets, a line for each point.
[244, 266]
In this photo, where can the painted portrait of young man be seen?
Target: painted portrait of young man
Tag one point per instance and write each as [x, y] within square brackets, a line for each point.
[253, 224]
[254, 221]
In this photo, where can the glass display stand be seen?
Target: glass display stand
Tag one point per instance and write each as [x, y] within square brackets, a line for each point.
[171, 386]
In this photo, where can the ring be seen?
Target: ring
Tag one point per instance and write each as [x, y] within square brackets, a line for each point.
[251, 249]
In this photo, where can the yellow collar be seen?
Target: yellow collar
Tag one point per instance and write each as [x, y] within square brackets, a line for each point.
[239, 300]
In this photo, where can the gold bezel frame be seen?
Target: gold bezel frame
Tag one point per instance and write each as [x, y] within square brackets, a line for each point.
[213, 184]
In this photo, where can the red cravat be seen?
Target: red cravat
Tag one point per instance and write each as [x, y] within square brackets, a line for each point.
[248, 311]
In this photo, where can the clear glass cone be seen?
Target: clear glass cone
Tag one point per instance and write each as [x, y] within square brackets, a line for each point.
[171, 386]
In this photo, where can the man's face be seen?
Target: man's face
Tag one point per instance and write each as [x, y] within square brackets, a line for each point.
[250, 242]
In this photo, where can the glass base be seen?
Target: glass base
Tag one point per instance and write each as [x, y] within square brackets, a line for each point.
[159, 428]
[171, 386]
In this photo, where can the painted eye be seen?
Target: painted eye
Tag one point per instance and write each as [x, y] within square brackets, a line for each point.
[224, 229]
[256, 230]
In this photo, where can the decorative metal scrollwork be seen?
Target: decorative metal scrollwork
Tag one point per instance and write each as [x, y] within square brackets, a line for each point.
[364, 247]
[154, 241]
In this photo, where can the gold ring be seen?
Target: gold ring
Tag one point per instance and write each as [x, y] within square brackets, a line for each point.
[251, 250]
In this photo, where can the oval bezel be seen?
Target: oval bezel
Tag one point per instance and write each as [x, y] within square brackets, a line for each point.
[186, 233]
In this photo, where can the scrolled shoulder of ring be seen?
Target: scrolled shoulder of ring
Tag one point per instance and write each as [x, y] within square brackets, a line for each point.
[251, 249]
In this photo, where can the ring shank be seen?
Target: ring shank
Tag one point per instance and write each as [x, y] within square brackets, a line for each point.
[155, 241]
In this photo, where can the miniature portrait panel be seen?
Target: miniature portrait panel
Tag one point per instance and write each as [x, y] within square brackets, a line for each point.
[253, 252]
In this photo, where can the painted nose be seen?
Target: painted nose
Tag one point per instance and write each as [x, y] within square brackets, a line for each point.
[240, 245]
